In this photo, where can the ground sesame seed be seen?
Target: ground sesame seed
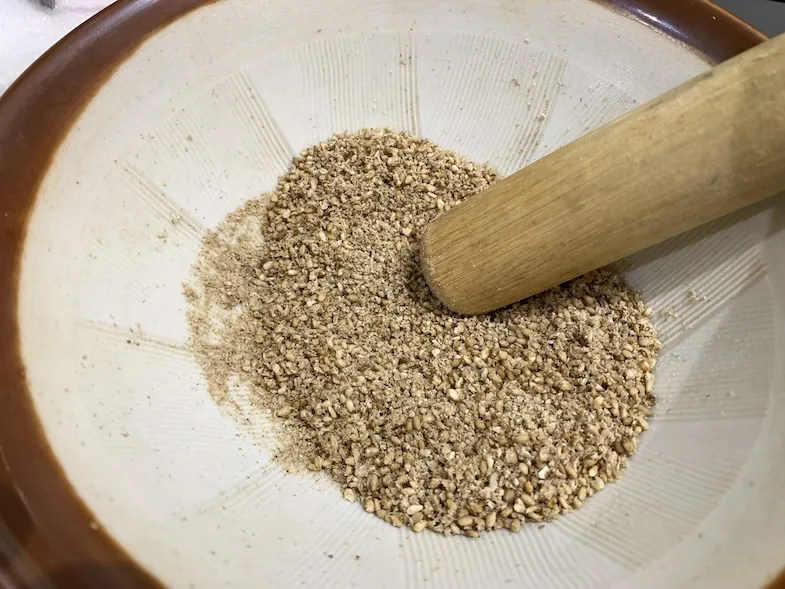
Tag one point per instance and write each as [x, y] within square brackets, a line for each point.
[312, 298]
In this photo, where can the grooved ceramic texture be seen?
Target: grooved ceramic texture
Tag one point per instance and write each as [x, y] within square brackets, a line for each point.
[205, 115]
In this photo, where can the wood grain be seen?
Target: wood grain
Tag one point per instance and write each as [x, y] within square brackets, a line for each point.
[705, 149]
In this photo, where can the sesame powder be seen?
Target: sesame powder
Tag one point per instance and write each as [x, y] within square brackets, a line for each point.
[312, 298]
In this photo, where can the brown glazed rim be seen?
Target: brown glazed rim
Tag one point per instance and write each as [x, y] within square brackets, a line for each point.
[48, 537]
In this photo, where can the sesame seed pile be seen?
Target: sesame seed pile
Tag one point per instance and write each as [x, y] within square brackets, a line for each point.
[312, 298]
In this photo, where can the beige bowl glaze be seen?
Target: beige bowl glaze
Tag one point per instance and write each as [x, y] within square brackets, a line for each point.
[205, 114]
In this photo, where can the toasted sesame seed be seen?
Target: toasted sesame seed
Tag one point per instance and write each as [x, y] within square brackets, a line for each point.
[427, 419]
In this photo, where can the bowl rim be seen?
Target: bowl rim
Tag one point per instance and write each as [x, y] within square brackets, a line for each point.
[46, 530]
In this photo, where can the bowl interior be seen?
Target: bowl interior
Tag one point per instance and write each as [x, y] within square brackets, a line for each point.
[206, 114]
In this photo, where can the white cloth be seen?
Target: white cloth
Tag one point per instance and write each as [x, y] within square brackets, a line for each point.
[27, 30]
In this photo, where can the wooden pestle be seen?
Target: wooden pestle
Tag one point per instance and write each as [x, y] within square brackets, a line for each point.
[703, 150]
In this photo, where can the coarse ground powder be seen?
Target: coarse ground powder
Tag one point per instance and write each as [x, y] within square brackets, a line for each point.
[312, 297]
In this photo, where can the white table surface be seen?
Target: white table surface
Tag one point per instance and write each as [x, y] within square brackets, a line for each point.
[27, 30]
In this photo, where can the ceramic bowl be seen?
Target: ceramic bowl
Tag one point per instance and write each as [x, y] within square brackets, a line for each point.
[120, 470]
